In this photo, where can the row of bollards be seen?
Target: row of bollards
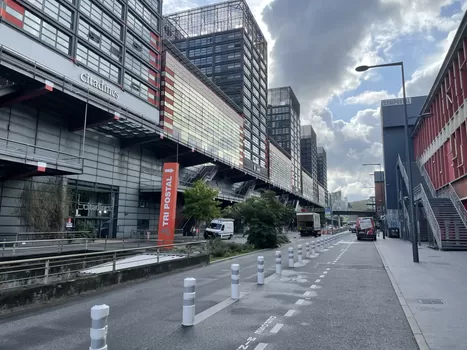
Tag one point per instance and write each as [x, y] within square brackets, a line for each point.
[100, 313]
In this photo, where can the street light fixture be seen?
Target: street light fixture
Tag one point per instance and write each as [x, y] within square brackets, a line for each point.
[407, 153]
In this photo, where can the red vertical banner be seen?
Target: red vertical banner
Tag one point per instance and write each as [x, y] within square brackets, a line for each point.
[168, 209]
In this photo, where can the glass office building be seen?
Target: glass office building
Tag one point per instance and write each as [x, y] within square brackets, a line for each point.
[309, 154]
[284, 127]
[227, 45]
[322, 172]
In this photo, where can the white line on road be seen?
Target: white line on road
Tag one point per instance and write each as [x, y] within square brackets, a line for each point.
[321, 276]
[313, 286]
[265, 325]
[318, 280]
[276, 328]
[289, 313]
[299, 301]
[306, 294]
[328, 269]
[214, 309]
[325, 273]
[333, 263]
[260, 346]
[329, 262]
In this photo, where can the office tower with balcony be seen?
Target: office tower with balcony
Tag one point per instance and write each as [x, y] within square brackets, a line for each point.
[284, 127]
[227, 45]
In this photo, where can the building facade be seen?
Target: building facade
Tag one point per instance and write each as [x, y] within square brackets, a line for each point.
[322, 170]
[309, 154]
[226, 43]
[280, 166]
[284, 127]
[440, 139]
[338, 202]
[392, 121]
[380, 197]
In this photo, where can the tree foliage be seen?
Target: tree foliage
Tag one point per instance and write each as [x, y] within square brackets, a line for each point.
[264, 217]
[44, 204]
[201, 204]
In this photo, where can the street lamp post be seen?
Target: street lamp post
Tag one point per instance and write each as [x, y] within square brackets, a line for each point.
[407, 153]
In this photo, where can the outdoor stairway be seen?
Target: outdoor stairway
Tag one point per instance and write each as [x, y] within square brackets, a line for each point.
[443, 219]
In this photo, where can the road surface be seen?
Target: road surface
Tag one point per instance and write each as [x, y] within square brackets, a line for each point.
[342, 299]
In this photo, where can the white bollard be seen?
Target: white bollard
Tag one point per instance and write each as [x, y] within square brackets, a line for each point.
[300, 257]
[189, 293]
[319, 244]
[278, 263]
[313, 247]
[307, 250]
[260, 269]
[235, 275]
[99, 328]
[290, 250]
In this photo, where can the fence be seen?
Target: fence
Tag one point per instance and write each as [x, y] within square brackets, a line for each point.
[37, 271]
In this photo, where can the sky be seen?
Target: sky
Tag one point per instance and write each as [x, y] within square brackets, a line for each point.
[314, 47]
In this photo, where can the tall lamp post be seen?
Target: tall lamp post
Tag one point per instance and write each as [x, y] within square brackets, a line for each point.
[376, 164]
[407, 153]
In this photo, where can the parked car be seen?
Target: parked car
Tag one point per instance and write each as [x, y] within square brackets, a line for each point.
[366, 228]
[352, 226]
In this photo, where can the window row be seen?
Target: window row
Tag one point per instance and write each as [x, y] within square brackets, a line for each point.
[143, 32]
[102, 19]
[200, 52]
[145, 73]
[144, 13]
[95, 38]
[55, 10]
[143, 51]
[202, 61]
[98, 63]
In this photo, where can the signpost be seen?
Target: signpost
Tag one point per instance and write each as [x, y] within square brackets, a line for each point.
[168, 209]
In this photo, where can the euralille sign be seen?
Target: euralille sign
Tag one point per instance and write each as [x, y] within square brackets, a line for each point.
[99, 85]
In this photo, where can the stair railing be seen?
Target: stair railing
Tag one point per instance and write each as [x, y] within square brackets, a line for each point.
[427, 178]
[403, 171]
[406, 217]
[430, 216]
[450, 192]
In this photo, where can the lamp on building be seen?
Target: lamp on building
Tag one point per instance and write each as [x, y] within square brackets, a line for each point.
[407, 152]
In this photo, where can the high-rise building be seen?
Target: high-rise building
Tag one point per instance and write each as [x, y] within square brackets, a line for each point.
[284, 127]
[309, 154]
[322, 170]
[227, 45]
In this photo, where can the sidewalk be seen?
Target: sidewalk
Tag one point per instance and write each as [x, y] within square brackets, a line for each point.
[439, 275]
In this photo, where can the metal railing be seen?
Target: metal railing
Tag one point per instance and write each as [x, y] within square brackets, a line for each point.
[40, 271]
[403, 171]
[450, 192]
[427, 178]
[29, 152]
[430, 215]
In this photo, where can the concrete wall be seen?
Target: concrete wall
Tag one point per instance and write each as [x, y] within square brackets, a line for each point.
[105, 163]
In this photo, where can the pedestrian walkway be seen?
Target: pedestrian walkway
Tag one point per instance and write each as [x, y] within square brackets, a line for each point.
[433, 292]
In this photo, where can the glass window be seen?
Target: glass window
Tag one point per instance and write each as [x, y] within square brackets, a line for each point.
[142, 51]
[144, 33]
[98, 63]
[46, 32]
[144, 13]
[55, 10]
[98, 40]
[145, 73]
[115, 6]
[137, 88]
[246, 154]
[102, 19]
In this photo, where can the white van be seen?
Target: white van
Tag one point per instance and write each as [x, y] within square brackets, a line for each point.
[220, 228]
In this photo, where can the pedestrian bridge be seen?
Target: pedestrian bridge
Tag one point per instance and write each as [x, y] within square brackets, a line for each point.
[355, 212]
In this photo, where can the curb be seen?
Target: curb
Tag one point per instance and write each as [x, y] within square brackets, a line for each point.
[239, 256]
[417, 332]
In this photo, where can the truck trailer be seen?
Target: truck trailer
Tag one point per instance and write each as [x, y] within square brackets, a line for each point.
[309, 224]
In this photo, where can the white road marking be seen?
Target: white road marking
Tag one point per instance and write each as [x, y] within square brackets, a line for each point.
[333, 263]
[265, 325]
[289, 313]
[329, 262]
[276, 328]
[214, 309]
[321, 276]
[260, 346]
[247, 344]
[313, 286]
[306, 294]
[328, 269]
[318, 280]
[270, 278]
[299, 301]
[325, 273]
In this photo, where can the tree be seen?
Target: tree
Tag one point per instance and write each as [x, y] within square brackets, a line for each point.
[264, 217]
[201, 204]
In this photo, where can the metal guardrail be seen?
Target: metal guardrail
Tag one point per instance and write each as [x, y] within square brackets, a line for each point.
[40, 271]
[427, 178]
[403, 171]
[430, 215]
[450, 192]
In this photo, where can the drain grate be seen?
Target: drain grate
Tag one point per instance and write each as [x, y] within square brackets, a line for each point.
[431, 301]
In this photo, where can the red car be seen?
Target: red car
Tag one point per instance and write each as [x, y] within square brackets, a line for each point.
[366, 229]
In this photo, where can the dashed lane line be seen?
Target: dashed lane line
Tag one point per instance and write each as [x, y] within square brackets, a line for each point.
[318, 280]
[289, 313]
[306, 294]
[260, 346]
[299, 301]
[321, 276]
[276, 328]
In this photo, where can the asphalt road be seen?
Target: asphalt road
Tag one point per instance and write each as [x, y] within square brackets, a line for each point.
[352, 307]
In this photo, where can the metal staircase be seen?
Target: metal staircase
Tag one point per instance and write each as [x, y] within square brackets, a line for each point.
[445, 214]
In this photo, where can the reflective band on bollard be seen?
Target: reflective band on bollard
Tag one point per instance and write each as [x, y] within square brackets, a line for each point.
[278, 262]
[98, 332]
[319, 245]
[235, 275]
[290, 250]
[307, 250]
[300, 257]
[189, 293]
[313, 247]
[260, 269]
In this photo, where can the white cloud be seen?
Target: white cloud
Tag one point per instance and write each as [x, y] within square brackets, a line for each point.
[369, 98]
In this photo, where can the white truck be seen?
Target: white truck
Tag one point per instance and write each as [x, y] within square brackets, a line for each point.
[309, 224]
[220, 228]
